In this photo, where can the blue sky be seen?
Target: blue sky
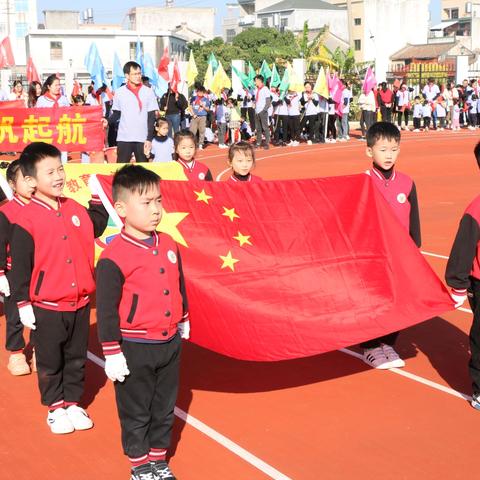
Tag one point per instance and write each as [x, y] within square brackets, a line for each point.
[114, 12]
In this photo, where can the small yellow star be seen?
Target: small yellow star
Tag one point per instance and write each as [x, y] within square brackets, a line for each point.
[202, 196]
[243, 239]
[229, 261]
[230, 213]
[169, 224]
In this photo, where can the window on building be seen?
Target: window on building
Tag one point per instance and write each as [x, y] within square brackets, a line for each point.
[21, 30]
[56, 51]
[133, 49]
[264, 22]
[21, 5]
[357, 44]
[230, 34]
[284, 23]
[454, 13]
[357, 21]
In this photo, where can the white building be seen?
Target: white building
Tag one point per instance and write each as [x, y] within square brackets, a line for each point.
[64, 51]
[17, 18]
[292, 15]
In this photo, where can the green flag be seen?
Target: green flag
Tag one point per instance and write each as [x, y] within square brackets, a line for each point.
[251, 74]
[276, 80]
[285, 83]
[265, 71]
[243, 78]
[213, 62]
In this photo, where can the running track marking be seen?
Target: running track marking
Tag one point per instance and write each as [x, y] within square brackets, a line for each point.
[217, 437]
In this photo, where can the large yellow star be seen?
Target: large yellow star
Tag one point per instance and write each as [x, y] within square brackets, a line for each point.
[169, 225]
[229, 261]
[230, 213]
[202, 196]
[243, 239]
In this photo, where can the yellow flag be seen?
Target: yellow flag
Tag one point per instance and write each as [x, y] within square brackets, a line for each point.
[321, 86]
[192, 71]
[296, 83]
[208, 77]
[220, 80]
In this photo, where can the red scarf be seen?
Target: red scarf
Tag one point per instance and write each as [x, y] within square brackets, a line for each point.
[53, 98]
[136, 92]
[256, 95]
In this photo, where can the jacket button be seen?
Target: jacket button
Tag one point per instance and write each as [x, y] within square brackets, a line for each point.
[58, 214]
[164, 333]
[166, 292]
[162, 270]
[69, 260]
[72, 304]
[167, 313]
[64, 237]
[155, 252]
[74, 284]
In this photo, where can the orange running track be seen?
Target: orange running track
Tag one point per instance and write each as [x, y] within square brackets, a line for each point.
[324, 417]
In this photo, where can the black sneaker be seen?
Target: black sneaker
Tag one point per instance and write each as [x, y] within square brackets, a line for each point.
[161, 471]
[143, 472]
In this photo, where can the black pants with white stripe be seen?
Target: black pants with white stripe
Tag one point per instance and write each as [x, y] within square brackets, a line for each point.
[61, 340]
[146, 399]
[14, 339]
[474, 364]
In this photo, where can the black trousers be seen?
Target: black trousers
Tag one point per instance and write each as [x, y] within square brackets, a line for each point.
[125, 150]
[474, 364]
[386, 114]
[389, 339]
[146, 399]
[61, 340]
[426, 122]
[405, 114]
[262, 126]
[248, 113]
[320, 129]
[281, 128]
[14, 339]
[310, 122]
[417, 123]
[331, 128]
[294, 127]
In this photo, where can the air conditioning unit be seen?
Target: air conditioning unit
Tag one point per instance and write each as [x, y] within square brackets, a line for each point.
[468, 7]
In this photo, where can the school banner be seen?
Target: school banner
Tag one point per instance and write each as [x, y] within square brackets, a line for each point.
[71, 129]
[287, 269]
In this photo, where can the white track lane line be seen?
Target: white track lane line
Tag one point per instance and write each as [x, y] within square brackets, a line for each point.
[216, 436]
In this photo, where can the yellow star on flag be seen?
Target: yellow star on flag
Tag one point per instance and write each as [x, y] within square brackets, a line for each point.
[230, 213]
[243, 239]
[229, 261]
[202, 196]
[169, 225]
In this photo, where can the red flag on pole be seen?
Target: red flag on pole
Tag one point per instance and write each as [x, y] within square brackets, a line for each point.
[176, 79]
[287, 269]
[163, 65]
[6, 53]
[32, 74]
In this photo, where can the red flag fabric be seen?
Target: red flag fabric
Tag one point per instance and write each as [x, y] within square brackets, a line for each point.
[77, 89]
[6, 53]
[163, 65]
[32, 74]
[287, 269]
[176, 79]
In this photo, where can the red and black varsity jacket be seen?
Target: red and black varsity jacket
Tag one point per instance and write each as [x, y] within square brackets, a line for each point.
[196, 171]
[9, 213]
[53, 253]
[400, 193]
[234, 178]
[464, 260]
[140, 291]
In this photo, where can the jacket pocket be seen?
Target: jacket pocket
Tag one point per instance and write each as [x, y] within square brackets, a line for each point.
[39, 282]
[133, 308]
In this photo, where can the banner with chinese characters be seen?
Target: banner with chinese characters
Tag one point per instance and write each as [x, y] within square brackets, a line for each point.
[71, 129]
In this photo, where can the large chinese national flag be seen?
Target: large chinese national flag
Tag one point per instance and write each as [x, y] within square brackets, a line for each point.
[286, 269]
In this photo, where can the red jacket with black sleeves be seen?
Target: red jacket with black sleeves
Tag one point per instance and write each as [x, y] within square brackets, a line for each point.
[9, 213]
[140, 291]
[53, 253]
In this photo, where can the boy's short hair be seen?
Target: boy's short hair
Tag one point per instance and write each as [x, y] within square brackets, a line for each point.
[34, 153]
[259, 77]
[476, 151]
[133, 179]
[77, 99]
[382, 130]
[129, 66]
[179, 136]
[242, 146]
[417, 98]
[12, 170]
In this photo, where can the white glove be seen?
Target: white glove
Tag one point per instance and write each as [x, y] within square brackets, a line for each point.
[184, 329]
[4, 286]
[116, 367]
[458, 297]
[27, 317]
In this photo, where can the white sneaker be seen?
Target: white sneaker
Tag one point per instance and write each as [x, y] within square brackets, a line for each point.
[416, 130]
[376, 358]
[393, 358]
[79, 418]
[342, 139]
[309, 142]
[295, 143]
[348, 137]
[59, 422]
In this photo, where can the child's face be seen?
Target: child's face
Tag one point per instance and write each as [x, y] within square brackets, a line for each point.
[162, 129]
[142, 212]
[186, 149]
[49, 178]
[21, 187]
[384, 153]
[242, 163]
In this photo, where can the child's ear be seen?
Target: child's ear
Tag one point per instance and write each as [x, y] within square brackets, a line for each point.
[120, 208]
[369, 152]
[30, 181]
